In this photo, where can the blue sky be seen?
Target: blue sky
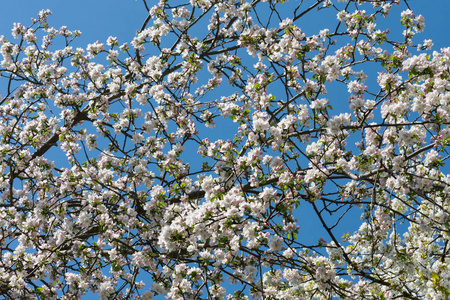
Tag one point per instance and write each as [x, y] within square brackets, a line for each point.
[99, 19]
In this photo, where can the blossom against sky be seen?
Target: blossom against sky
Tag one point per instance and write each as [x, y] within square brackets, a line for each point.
[98, 23]
[99, 19]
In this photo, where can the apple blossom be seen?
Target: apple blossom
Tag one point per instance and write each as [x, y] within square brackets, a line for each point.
[190, 161]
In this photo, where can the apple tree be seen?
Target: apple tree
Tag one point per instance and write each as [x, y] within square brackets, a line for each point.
[190, 161]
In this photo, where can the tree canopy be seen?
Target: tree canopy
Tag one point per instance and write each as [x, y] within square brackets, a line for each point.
[187, 162]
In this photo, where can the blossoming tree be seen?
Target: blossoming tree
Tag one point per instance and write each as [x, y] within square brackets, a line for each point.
[118, 177]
